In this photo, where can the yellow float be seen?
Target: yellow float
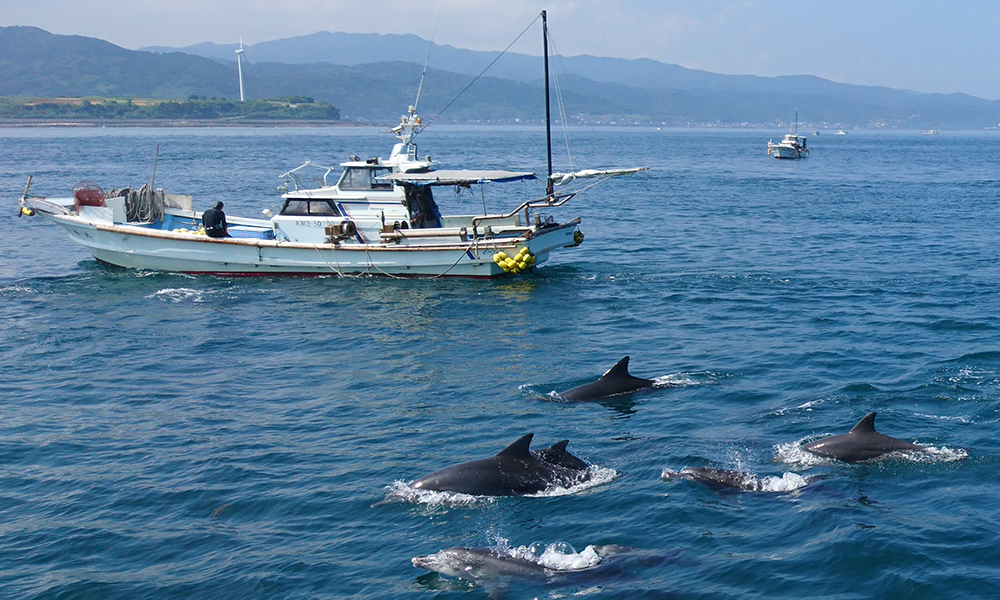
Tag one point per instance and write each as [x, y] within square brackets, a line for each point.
[524, 260]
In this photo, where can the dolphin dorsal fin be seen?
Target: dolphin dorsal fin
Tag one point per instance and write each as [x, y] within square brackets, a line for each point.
[519, 449]
[559, 447]
[865, 425]
[620, 370]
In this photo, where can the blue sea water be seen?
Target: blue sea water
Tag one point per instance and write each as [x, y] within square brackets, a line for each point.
[166, 436]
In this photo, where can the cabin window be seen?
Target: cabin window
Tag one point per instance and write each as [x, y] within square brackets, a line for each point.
[322, 207]
[364, 178]
[310, 207]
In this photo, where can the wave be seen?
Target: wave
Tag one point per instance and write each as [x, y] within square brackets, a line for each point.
[16, 290]
[684, 379]
[598, 476]
[959, 418]
[178, 295]
[805, 406]
[400, 491]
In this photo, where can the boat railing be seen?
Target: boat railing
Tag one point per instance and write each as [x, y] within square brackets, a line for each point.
[293, 176]
[47, 204]
[548, 202]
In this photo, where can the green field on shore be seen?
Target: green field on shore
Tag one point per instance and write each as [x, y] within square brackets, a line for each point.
[194, 108]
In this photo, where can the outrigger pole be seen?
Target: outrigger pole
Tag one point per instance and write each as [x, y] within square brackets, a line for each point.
[549, 190]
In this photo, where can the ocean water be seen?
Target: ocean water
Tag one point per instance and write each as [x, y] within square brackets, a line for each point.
[166, 436]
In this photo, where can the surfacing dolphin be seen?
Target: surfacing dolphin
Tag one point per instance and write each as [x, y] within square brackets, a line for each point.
[862, 442]
[514, 471]
[486, 564]
[478, 564]
[616, 380]
[718, 479]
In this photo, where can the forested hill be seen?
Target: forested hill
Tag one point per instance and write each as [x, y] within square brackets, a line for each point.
[35, 63]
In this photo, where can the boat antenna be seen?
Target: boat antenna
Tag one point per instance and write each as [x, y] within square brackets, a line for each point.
[426, 60]
[548, 118]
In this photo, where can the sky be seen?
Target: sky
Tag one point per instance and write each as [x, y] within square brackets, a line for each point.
[922, 45]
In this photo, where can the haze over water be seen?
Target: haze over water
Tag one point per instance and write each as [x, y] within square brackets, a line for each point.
[166, 436]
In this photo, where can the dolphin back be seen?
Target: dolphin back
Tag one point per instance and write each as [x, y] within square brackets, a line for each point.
[616, 380]
[514, 471]
[862, 442]
[558, 455]
[718, 479]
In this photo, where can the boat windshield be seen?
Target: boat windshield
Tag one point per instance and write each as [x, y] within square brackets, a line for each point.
[364, 178]
[310, 207]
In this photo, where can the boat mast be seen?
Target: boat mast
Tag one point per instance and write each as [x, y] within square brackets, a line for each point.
[548, 115]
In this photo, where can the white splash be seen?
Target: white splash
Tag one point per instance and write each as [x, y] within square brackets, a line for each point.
[685, 379]
[15, 289]
[806, 407]
[933, 454]
[597, 476]
[788, 482]
[558, 556]
[178, 295]
[794, 454]
[400, 491]
[960, 418]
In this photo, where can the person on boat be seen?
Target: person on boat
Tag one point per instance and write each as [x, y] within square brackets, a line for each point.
[214, 221]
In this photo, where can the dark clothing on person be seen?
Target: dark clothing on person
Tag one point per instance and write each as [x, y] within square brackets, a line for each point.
[214, 221]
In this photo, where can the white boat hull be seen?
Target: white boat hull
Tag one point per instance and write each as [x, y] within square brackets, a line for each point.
[141, 248]
[782, 151]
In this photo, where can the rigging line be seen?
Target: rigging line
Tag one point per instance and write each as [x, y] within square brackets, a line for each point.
[455, 264]
[560, 104]
[427, 60]
[326, 262]
[483, 72]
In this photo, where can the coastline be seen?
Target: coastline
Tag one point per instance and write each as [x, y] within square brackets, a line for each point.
[180, 123]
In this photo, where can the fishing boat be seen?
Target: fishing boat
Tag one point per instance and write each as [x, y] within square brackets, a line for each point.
[792, 145]
[379, 217]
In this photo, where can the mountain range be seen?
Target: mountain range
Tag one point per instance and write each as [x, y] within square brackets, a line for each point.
[374, 77]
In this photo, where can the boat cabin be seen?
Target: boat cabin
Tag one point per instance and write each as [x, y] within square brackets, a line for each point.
[362, 202]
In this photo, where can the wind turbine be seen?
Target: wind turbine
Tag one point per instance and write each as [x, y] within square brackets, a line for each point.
[240, 59]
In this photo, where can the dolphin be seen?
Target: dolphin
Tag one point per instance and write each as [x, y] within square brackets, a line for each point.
[718, 479]
[862, 442]
[616, 380]
[514, 471]
[484, 564]
[478, 564]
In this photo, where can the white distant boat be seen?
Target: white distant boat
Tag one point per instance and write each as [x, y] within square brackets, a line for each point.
[378, 218]
[931, 132]
[840, 132]
[792, 145]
